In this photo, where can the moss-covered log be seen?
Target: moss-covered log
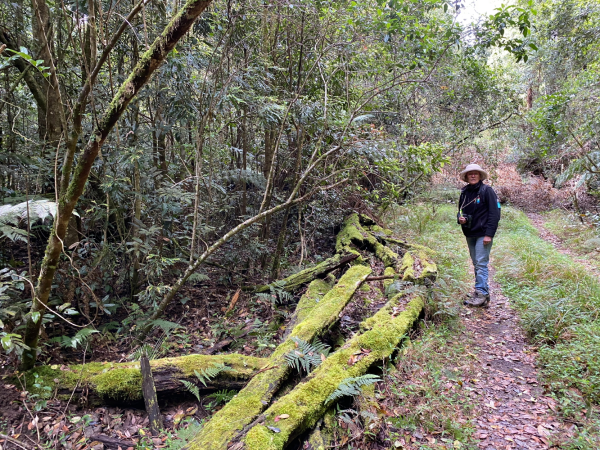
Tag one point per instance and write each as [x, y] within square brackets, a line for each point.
[353, 236]
[123, 381]
[306, 403]
[251, 401]
[305, 276]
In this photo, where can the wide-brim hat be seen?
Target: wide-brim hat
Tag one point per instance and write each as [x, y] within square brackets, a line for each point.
[470, 168]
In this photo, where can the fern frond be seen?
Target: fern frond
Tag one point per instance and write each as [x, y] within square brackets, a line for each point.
[352, 386]
[198, 277]
[192, 388]
[223, 396]
[206, 375]
[166, 325]
[306, 356]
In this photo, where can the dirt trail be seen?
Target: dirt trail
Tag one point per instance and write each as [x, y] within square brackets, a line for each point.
[511, 411]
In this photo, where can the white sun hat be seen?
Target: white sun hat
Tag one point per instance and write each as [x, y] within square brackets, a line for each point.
[470, 168]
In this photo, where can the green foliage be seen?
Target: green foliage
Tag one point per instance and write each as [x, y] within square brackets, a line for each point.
[277, 294]
[206, 375]
[495, 31]
[23, 53]
[351, 387]
[223, 396]
[306, 356]
[192, 388]
[80, 339]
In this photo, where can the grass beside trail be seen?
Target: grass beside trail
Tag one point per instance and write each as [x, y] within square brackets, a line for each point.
[559, 302]
[581, 238]
[424, 385]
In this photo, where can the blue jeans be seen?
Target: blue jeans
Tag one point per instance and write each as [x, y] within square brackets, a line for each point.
[480, 255]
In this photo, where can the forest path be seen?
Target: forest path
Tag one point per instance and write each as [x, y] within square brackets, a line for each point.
[511, 410]
[537, 220]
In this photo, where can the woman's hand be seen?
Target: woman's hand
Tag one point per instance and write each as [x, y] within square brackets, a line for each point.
[487, 240]
[462, 220]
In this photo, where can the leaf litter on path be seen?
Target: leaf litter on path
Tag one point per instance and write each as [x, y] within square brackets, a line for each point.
[511, 410]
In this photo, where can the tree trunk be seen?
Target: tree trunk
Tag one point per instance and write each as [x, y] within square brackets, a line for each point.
[150, 61]
[305, 276]
[307, 402]
[100, 382]
[254, 398]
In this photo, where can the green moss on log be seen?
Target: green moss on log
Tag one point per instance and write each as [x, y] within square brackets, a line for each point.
[311, 298]
[407, 268]
[253, 399]
[306, 403]
[123, 381]
[305, 276]
[353, 234]
[348, 236]
[388, 272]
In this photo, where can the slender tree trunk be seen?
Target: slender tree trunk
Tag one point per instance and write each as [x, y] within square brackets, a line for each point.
[42, 32]
[151, 60]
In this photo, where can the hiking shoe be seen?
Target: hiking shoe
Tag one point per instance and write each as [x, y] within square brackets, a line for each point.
[478, 299]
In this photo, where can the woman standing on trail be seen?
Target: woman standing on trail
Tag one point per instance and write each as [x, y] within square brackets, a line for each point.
[479, 214]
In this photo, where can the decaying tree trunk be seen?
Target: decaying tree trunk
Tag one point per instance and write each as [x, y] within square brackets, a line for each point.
[296, 280]
[242, 424]
[123, 381]
[255, 397]
[307, 402]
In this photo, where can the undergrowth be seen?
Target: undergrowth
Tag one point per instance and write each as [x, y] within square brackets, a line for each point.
[559, 302]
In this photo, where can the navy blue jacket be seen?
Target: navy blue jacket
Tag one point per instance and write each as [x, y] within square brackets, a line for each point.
[480, 202]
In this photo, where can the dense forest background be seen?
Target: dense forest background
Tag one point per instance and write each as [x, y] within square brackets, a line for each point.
[148, 172]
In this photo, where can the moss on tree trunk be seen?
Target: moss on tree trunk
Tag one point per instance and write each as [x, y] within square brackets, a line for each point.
[306, 403]
[256, 396]
[123, 381]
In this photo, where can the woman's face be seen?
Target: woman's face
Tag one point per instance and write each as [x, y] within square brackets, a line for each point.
[473, 177]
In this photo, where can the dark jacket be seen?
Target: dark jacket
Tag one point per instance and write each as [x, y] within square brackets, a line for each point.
[480, 202]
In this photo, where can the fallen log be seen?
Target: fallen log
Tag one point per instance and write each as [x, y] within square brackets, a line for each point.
[354, 235]
[123, 381]
[305, 276]
[307, 402]
[256, 396]
[309, 300]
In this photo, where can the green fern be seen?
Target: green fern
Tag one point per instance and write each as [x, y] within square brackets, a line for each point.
[192, 388]
[148, 350]
[222, 396]
[198, 278]
[306, 356]
[165, 325]
[206, 375]
[277, 294]
[80, 338]
[352, 386]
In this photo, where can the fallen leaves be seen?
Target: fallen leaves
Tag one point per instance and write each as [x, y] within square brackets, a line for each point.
[357, 356]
